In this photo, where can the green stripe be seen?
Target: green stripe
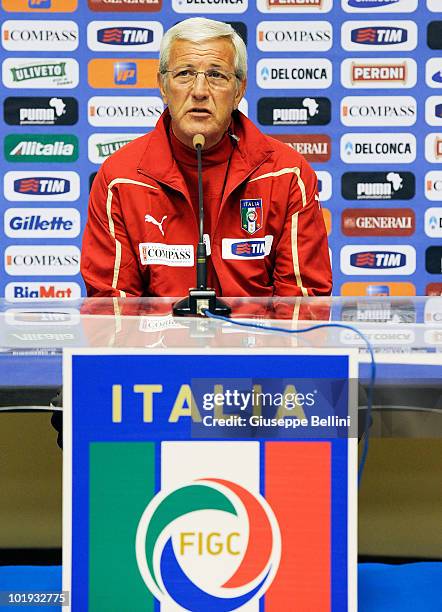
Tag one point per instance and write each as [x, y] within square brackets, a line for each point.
[122, 482]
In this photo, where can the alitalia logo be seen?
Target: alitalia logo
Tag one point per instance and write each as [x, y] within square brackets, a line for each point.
[38, 71]
[37, 148]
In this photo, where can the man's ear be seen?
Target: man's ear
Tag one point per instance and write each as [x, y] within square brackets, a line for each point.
[240, 91]
[160, 81]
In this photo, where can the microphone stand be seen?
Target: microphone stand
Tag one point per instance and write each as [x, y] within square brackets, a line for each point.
[200, 298]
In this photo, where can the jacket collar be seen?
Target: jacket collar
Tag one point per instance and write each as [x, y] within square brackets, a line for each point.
[251, 149]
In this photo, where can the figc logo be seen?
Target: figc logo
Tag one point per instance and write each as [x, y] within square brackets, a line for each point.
[210, 523]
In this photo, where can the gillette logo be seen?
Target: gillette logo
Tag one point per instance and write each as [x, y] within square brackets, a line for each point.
[125, 36]
[125, 73]
[379, 36]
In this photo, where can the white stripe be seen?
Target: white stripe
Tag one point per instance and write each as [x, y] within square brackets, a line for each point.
[294, 170]
[117, 262]
[295, 255]
[301, 187]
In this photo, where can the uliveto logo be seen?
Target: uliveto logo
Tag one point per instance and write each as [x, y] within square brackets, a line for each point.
[374, 148]
[294, 35]
[379, 6]
[127, 111]
[27, 35]
[42, 223]
[36, 260]
[294, 111]
[29, 292]
[40, 73]
[378, 222]
[100, 146]
[378, 73]
[127, 36]
[42, 185]
[378, 110]
[294, 6]
[288, 73]
[378, 185]
[377, 260]
[379, 35]
[41, 111]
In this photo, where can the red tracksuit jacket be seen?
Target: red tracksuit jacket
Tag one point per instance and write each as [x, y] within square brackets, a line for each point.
[142, 231]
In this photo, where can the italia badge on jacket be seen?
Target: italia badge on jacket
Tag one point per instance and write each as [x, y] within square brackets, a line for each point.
[251, 215]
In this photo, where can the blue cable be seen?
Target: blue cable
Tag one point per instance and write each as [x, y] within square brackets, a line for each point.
[210, 315]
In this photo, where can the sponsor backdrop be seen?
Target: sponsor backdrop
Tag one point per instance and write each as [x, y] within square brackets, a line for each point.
[355, 86]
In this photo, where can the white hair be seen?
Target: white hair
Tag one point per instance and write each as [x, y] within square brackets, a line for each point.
[199, 29]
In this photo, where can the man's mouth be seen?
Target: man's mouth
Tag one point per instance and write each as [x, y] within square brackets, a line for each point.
[199, 111]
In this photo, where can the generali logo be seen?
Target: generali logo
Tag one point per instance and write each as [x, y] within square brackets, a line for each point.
[379, 35]
[294, 6]
[127, 36]
[378, 222]
[378, 73]
[314, 147]
[125, 6]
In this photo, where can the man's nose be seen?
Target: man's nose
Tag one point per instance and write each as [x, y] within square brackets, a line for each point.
[200, 85]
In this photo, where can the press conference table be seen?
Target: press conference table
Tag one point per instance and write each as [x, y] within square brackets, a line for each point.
[406, 335]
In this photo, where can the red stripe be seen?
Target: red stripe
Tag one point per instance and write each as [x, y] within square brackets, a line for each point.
[298, 488]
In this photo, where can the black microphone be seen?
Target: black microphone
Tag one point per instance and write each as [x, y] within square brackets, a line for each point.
[201, 298]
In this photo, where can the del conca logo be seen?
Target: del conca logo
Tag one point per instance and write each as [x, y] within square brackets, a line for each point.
[41, 147]
[182, 531]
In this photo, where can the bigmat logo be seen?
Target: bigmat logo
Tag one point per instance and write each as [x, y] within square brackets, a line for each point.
[294, 35]
[433, 185]
[433, 110]
[125, 36]
[433, 261]
[40, 35]
[36, 260]
[40, 73]
[433, 222]
[378, 73]
[40, 111]
[100, 146]
[132, 6]
[324, 185]
[41, 186]
[110, 73]
[41, 147]
[377, 260]
[314, 147]
[433, 148]
[379, 6]
[29, 292]
[130, 111]
[433, 72]
[44, 223]
[379, 35]
[294, 6]
[378, 110]
[378, 222]
[40, 6]
[294, 111]
[375, 289]
[210, 6]
[378, 185]
[374, 148]
[434, 35]
[288, 73]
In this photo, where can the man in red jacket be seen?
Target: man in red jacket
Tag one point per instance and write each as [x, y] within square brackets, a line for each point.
[265, 232]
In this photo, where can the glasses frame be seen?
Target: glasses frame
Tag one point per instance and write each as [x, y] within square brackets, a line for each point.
[197, 72]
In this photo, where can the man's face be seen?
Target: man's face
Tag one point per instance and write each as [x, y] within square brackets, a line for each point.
[198, 108]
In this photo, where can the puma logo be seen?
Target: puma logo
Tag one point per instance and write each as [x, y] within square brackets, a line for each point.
[159, 224]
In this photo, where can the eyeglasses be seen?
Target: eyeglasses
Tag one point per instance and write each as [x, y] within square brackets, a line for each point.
[218, 79]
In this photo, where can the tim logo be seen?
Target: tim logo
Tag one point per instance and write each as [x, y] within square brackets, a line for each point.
[40, 4]
[381, 260]
[125, 36]
[125, 73]
[249, 248]
[379, 36]
[40, 185]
